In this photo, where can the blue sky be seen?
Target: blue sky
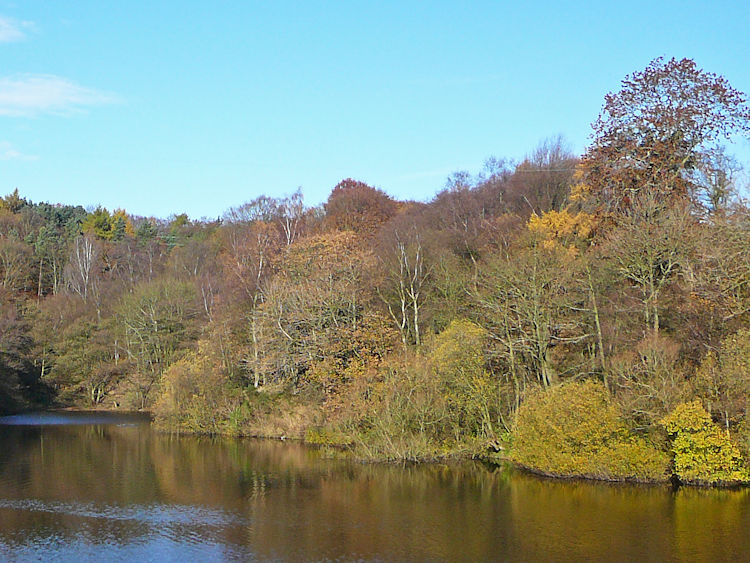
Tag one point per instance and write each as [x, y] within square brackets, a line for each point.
[170, 107]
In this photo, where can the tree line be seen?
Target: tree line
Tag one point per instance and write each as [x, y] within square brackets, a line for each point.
[606, 295]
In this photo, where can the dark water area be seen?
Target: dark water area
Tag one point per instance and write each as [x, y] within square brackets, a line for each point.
[97, 487]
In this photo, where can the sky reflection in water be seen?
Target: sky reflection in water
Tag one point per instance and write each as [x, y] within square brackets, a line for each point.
[97, 489]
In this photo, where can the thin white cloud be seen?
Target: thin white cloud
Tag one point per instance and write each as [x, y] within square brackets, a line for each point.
[8, 152]
[28, 95]
[13, 30]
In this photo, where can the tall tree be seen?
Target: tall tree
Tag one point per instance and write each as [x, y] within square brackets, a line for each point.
[247, 260]
[656, 130]
[357, 207]
[531, 302]
[83, 269]
[542, 181]
[402, 288]
[156, 320]
[291, 215]
[650, 247]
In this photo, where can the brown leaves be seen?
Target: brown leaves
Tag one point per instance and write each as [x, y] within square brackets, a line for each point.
[652, 132]
[355, 206]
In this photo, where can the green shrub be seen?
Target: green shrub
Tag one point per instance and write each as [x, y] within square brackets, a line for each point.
[195, 396]
[575, 429]
[457, 359]
[440, 401]
[703, 453]
[321, 436]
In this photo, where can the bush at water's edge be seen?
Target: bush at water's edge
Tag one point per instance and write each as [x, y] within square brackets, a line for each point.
[576, 430]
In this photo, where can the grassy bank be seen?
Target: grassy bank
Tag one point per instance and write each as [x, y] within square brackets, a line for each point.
[571, 431]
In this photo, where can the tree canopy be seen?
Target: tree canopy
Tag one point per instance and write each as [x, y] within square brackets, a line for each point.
[657, 129]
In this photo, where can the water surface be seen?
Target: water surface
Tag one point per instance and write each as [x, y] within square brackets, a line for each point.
[77, 486]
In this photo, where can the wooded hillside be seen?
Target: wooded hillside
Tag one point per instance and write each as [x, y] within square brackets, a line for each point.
[411, 329]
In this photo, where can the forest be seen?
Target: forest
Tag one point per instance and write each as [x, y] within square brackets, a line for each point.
[577, 315]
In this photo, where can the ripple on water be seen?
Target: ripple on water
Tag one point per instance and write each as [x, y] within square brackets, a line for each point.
[61, 418]
[162, 532]
[155, 514]
[157, 548]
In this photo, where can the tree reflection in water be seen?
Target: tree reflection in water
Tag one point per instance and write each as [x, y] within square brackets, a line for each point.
[123, 491]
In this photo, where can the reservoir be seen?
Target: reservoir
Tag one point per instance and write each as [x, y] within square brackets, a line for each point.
[97, 486]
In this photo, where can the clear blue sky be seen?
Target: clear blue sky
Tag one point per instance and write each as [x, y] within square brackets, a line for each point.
[169, 107]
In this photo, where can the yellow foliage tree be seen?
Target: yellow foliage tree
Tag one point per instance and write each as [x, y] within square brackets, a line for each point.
[562, 229]
[723, 378]
[703, 454]
[457, 357]
[121, 224]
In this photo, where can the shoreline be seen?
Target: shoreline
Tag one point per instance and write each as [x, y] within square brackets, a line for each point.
[492, 459]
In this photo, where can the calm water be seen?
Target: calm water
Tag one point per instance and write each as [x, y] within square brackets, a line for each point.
[105, 487]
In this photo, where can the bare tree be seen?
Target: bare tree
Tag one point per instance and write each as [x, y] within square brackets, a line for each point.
[247, 261]
[82, 271]
[650, 248]
[291, 214]
[402, 289]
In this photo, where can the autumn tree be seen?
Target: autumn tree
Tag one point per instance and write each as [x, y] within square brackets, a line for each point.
[15, 263]
[576, 429]
[723, 379]
[156, 320]
[15, 255]
[460, 215]
[291, 216]
[405, 272]
[715, 178]
[314, 307]
[13, 202]
[197, 260]
[457, 357]
[721, 289]
[288, 214]
[262, 208]
[83, 270]
[355, 206]
[541, 182]
[650, 248]
[532, 303]
[656, 130]
[16, 372]
[247, 260]
[648, 380]
[703, 453]
[108, 226]
[83, 367]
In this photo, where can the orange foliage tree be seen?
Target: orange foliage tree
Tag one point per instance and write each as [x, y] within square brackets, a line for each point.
[355, 206]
